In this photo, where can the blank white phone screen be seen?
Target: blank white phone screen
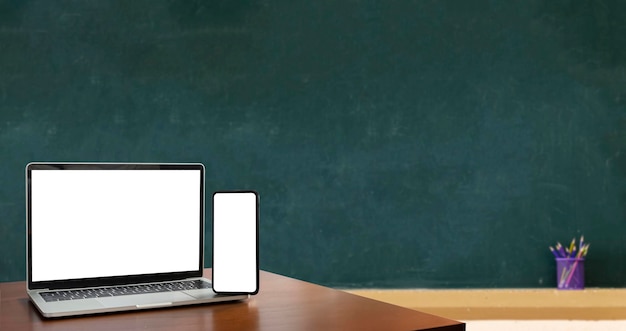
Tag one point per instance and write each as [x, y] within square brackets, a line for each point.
[235, 246]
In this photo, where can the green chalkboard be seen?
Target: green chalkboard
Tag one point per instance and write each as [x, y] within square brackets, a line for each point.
[430, 143]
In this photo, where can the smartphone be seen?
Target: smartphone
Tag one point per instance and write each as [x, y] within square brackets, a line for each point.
[236, 242]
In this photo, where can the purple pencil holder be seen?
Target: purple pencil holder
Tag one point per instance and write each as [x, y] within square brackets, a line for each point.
[570, 273]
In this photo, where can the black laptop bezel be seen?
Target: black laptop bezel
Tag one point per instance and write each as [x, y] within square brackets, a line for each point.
[116, 280]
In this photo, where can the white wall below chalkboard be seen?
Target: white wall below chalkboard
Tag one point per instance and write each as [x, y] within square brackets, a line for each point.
[559, 325]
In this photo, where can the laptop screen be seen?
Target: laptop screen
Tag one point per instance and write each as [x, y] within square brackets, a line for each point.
[111, 221]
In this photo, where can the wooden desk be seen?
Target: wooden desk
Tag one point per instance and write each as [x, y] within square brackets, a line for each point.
[283, 303]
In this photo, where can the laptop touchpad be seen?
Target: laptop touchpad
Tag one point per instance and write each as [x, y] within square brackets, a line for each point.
[144, 299]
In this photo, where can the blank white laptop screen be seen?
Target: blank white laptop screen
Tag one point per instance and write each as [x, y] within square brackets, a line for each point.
[102, 223]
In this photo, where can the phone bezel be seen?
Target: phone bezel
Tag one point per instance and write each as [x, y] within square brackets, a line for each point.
[257, 201]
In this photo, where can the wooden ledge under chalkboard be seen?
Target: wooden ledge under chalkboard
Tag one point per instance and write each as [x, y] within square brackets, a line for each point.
[508, 304]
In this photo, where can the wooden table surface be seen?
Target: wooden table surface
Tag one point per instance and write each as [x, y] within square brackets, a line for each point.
[283, 303]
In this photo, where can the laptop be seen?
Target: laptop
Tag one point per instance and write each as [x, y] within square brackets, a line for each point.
[108, 237]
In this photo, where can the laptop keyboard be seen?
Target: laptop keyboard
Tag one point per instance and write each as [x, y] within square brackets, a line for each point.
[98, 292]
